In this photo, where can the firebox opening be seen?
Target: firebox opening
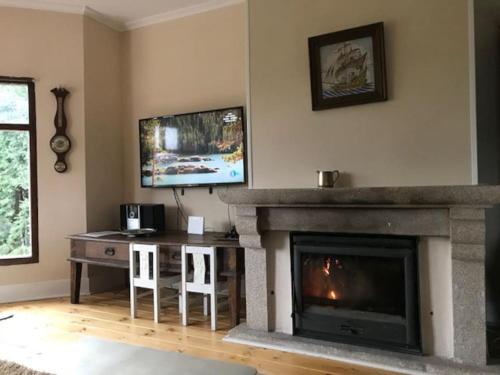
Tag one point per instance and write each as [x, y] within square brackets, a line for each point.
[358, 289]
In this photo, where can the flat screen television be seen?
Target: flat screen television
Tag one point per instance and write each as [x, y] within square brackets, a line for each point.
[193, 149]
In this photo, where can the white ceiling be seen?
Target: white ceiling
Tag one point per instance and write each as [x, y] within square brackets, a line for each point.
[124, 14]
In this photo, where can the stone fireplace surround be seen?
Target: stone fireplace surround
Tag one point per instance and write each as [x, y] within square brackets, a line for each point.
[455, 213]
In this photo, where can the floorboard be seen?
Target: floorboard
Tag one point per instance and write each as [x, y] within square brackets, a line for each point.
[106, 316]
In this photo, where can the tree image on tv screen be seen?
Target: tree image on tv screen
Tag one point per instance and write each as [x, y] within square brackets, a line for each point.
[200, 148]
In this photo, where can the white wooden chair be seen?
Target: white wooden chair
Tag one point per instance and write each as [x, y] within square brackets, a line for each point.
[198, 285]
[145, 273]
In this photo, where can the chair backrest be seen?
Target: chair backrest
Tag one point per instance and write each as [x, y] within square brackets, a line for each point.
[144, 265]
[200, 268]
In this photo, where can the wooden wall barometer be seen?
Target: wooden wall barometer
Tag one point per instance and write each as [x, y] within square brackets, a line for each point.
[60, 142]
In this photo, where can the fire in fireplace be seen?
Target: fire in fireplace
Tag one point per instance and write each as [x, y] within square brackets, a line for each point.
[357, 289]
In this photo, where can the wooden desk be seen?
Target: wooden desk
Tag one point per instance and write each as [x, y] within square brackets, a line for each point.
[113, 251]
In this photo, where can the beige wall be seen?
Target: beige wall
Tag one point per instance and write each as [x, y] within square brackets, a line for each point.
[103, 126]
[421, 136]
[185, 65]
[48, 47]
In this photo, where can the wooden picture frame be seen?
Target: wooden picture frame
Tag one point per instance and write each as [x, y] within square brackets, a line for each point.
[348, 67]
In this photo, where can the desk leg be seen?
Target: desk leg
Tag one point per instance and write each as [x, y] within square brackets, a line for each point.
[76, 278]
[234, 286]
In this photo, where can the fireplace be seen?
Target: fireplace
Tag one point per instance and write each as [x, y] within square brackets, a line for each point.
[356, 289]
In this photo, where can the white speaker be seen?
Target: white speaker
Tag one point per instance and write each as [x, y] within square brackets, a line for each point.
[133, 216]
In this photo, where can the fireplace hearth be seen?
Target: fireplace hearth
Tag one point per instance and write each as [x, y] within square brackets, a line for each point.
[356, 289]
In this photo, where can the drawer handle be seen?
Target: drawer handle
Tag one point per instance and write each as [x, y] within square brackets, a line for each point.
[109, 251]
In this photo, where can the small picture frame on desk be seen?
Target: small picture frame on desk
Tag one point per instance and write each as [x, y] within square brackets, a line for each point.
[196, 225]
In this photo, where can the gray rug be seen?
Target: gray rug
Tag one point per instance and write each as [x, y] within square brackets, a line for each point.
[92, 356]
[95, 356]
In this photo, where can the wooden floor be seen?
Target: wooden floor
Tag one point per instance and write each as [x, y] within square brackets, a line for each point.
[106, 316]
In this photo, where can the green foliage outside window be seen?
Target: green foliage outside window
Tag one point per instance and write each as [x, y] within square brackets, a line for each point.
[14, 194]
[14, 104]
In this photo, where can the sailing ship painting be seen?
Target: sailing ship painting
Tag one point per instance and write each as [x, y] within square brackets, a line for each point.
[347, 68]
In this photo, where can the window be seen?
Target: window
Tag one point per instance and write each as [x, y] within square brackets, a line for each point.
[18, 186]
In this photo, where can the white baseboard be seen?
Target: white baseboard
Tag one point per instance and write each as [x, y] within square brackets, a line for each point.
[40, 290]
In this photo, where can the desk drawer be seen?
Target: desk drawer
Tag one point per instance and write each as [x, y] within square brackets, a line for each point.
[106, 250]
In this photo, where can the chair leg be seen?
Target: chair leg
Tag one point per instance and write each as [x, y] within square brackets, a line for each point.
[185, 308]
[156, 297]
[133, 301]
[184, 293]
[205, 304]
[180, 303]
[133, 292]
[213, 287]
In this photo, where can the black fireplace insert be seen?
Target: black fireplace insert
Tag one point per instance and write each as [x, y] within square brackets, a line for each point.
[356, 289]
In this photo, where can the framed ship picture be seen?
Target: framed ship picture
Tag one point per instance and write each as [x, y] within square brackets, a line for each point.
[348, 67]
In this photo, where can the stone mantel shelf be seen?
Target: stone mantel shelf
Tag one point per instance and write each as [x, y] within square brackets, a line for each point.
[427, 196]
[453, 212]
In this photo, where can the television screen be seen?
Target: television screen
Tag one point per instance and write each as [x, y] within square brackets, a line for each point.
[193, 149]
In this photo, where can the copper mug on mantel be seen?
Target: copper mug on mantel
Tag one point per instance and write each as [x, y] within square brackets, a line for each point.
[327, 179]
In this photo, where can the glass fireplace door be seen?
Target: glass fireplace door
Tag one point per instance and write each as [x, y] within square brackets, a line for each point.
[332, 283]
[356, 289]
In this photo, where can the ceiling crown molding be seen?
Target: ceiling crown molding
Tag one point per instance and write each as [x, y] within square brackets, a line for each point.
[43, 5]
[64, 8]
[180, 13]
[115, 25]
[101, 18]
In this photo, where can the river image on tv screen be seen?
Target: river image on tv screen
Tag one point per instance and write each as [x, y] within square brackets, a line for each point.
[204, 148]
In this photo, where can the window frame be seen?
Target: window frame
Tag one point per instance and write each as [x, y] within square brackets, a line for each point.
[33, 192]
